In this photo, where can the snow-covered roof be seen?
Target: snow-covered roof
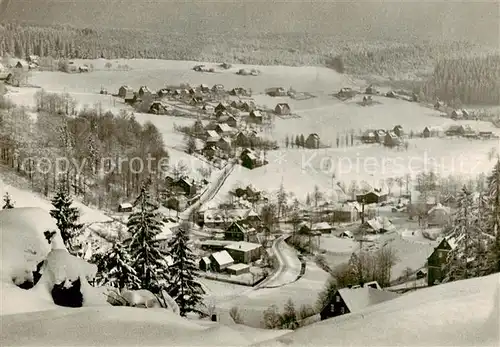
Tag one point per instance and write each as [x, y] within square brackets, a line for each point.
[225, 127]
[360, 298]
[237, 267]
[206, 260]
[229, 215]
[126, 205]
[347, 233]
[222, 258]
[321, 226]
[243, 246]
[212, 133]
[379, 223]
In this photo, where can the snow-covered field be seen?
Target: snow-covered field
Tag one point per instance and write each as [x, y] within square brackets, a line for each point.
[300, 170]
[334, 244]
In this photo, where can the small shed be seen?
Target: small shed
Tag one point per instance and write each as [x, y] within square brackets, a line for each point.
[205, 264]
[221, 260]
[346, 234]
[391, 139]
[122, 92]
[312, 141]
[125, 207]
[255, 117]
[238, 269]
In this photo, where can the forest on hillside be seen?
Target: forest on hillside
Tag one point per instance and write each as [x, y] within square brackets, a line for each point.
[103, 157]
[461, 70]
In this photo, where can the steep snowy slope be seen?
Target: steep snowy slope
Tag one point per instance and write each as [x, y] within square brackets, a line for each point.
[463, 313]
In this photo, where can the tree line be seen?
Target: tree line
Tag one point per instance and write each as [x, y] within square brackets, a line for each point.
[471, 79]
[104, 157]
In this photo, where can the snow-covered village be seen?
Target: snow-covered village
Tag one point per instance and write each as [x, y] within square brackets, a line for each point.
[249, 174]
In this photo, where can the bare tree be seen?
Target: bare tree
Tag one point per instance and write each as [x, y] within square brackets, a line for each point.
[317, 196]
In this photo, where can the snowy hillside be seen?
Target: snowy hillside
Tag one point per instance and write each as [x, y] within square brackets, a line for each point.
[463, 313]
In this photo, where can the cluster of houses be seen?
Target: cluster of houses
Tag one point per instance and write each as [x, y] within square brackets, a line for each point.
[459, 130]
[239, 247]
[389, 138]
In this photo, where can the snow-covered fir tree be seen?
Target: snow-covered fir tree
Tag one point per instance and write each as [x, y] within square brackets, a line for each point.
[186, 291]
[8, 203]
[114, 268]
[491, 214]
[466, 258]
[147, 258]
[66, 217]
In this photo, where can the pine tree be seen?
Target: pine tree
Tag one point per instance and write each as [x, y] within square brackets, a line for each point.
[66, 217]
[184, 288]
[115, 270]
[8, 202]
[297, 141]
[467, 255]
[147, 259]
[491, 212]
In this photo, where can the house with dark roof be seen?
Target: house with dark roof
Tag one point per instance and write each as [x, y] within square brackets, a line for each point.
[144, 90]
[226, 117]
[187, 187]
[222, 106]
[255, 117]
[380, 135]
[371, 197]
[123, 90]
[236, 232]
[224, 129]
[209, 151]
[204, 88]
[432, 131]
[218, 88]
[224, 144]
[436, 262]
[353, 300]
[398, 130]
[248, 106]
[391, 139]
[250, 159]
[282, 109]
[312, 141]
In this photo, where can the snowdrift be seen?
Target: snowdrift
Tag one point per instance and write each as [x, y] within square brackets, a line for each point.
[30, 317]
[463, 313]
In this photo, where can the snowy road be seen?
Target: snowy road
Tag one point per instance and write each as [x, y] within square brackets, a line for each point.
[289, 264]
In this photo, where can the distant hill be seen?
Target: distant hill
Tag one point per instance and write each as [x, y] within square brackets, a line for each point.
[403, 20]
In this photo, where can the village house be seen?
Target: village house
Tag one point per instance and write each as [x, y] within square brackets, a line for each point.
[220, 261]
[122, 92]
[144, 90]
[421, 274]
[228, 118]
[353, 300]
[211, 136]
[244, 252]
[241, 140]
[214, 245]
[255, 117]
[218, 88]
[236, 232]
[248, 106]
[312, 141]
[276, 91]
[307, 234]
[21, 64]
[438, 259]
[205, 264]
[222, 106]
[238, 269]
[282, 109]
[224, 129]
[204, 88]
[224, 144]
[391, 94]
[438, 105]
[368, 137]
[130, 97]
[158, 107]
[346, 234]
[457, 130]
[438, 216]
[398, 130]
[346, 212]
[391, 139]
[237, 91]
[459, 114]
[125, 207]
[322, 227]
[163, 92]
[380, 135]
[237, 104]
[432, 131]
[209, 151]
[196, 100]
[371, 197]
[177, 203]
[186, 187]
[217, 218]
[485, 134]
[378, 225]
[346, 92]
[250, 159]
